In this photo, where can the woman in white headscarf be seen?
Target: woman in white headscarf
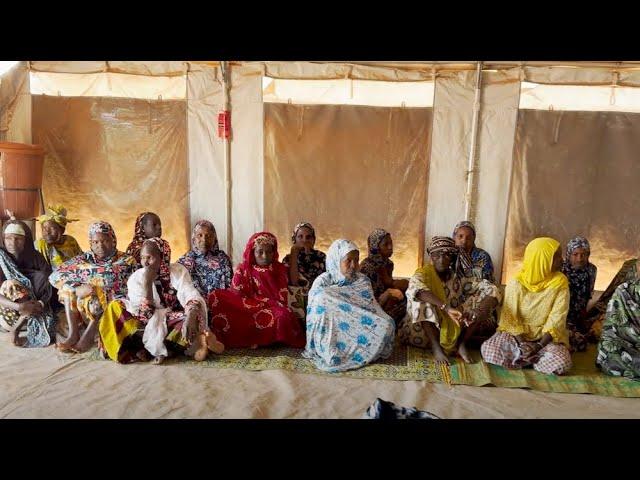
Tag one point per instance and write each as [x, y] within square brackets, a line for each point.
[346, 327]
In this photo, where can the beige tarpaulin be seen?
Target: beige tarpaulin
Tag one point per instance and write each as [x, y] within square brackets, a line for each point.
[112, 159]
[15, 105]
[575, 173]
[347, 170]
[108, 84]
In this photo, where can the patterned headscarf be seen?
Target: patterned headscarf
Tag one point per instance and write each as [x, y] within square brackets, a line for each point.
[102, 227]
[464, 223]
[58, 214]
[215, 248]
[299, 226]
[577, 242]
[337, 251]
[260, 238]
[164, 274]
[375, 239]
[139, 237]
[463, 264]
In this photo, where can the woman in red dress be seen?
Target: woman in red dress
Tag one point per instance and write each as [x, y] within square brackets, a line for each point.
[254, 310]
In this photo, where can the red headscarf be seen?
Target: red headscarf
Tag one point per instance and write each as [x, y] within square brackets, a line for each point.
[253, 280]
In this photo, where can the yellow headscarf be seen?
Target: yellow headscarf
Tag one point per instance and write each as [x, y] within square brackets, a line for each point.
[536, 273]
[58, 214]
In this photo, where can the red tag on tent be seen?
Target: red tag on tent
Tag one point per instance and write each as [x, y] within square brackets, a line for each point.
[224, 124]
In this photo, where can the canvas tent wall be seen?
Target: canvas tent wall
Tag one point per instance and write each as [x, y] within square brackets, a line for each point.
[512, 115]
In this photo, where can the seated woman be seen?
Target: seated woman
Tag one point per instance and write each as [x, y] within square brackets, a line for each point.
[379, 268]
[595, 315]
[148, 225]
[164, 303]
[346, 327]
[208, 266]
[88, 282]
[25, 292]
[582, 278]
[305, 264]
[55, 246]
[533, 321]
[465, 237]
[619, 345]
[446, 307]
[254, 310]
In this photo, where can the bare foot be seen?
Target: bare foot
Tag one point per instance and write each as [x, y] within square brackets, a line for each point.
[440, 357]
[15, 337]
[84, 344]
[159, 359]
[202, 348]
[213, 344]
[464, 353]
[69, 342]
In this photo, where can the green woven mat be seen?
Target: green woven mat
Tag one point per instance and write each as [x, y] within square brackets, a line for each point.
[584, 377]
[405, 363]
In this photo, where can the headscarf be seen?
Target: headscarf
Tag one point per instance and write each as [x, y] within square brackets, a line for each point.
[215, 248]
[298, 227]
[28, 259]
[251, 280]
[105, 228]
[375, 239]
[337, 251]
[371, 265]
[31, 270]
[463, 264]
[577, 242]
[164, 275]
[464, 223]
[209, 270]
[248, 258]
[139, 237]
[536, 274]
[58, 214]
[111, 273]
[581, 280]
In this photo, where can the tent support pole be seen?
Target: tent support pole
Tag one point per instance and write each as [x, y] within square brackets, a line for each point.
[471, 168]
[224, 67]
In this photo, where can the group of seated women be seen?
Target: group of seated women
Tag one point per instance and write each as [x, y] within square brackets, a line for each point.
[344, 312]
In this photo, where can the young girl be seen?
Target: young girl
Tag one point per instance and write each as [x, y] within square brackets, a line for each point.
[378, 267]
[254, 310]
[305, 264]
[148, 225]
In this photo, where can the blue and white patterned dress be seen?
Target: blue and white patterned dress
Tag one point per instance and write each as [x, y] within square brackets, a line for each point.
[346, 327]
